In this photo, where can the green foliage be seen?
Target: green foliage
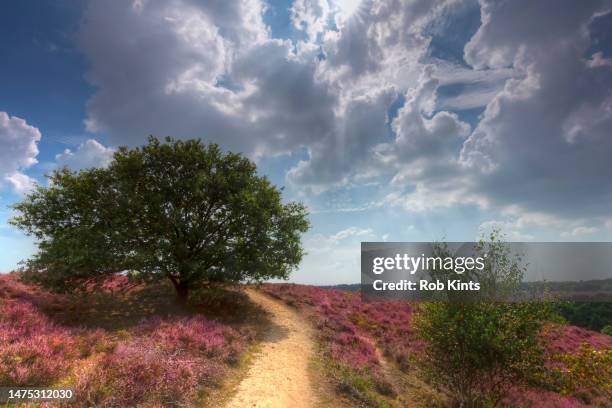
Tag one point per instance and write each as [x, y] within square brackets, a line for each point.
[586, 369]
[476, 351]
[607, 330]
[500, 279]
[572, 287]
[179, 210]
[590, 315]
[476, 348]
[363, 388]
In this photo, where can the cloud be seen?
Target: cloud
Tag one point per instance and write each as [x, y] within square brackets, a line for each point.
[543, 142]
[19, 142]
[89, 154]
[579, 231]
[513, 34]
[423, 158]
[511, 230]
[20, 182]
[422, 134]
[310, 16]
[366, 100]
[334, 258]
[348, 148]
[158, 65]
[211, 70]
[348, 209]
[350, 232]
[465, 88]
[323, 242]
[521, 225]
[202, 69]
[383, 38]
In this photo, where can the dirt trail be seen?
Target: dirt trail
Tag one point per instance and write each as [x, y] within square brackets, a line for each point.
[278, 376]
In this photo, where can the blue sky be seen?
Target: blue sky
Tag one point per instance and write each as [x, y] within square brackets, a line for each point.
[403, 120]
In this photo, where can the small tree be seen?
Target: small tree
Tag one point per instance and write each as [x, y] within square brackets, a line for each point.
[476, 346]
[179, 210]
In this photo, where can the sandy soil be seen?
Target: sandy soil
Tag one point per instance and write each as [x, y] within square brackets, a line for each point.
[278, 376]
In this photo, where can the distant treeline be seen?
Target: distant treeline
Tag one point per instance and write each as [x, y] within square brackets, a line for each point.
[590, 315]
[349, 287]
[599, 285]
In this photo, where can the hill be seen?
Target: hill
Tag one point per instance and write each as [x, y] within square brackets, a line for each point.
[124, 345]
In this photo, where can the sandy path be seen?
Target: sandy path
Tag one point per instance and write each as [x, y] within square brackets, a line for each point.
[278, 376]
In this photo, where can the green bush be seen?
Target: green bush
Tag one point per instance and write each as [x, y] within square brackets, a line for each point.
[475, 350]
[586, 369]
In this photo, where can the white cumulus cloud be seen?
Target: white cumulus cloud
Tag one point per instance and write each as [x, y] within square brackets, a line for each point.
[90, 153]
[362, 95]
[19, 142]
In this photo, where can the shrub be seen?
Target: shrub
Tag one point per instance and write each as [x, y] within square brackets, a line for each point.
[477, 351]
[141, 371]
[160, 362]
[33, 351]
[360, 385]
[197, 336]
[477, 348]
[587, 371]
[163, 361]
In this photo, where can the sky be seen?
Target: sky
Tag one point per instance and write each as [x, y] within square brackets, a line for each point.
[396, 120]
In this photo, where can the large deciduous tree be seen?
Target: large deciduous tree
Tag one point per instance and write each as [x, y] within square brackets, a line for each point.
[179, 210]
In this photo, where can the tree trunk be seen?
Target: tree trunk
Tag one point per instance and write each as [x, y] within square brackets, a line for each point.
[182, 294]
[182, 291]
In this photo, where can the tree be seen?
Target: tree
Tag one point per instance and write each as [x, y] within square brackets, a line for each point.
[476, 345]
[179, 210]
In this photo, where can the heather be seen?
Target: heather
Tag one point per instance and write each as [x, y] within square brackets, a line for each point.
[120, 344]
[33, 351]
[357, 339]
[164, 362]
[372, 349]
[135, 355]
[389, 322]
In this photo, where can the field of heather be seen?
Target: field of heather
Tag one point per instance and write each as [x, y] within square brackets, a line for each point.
[370, 351]
[120, 346]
